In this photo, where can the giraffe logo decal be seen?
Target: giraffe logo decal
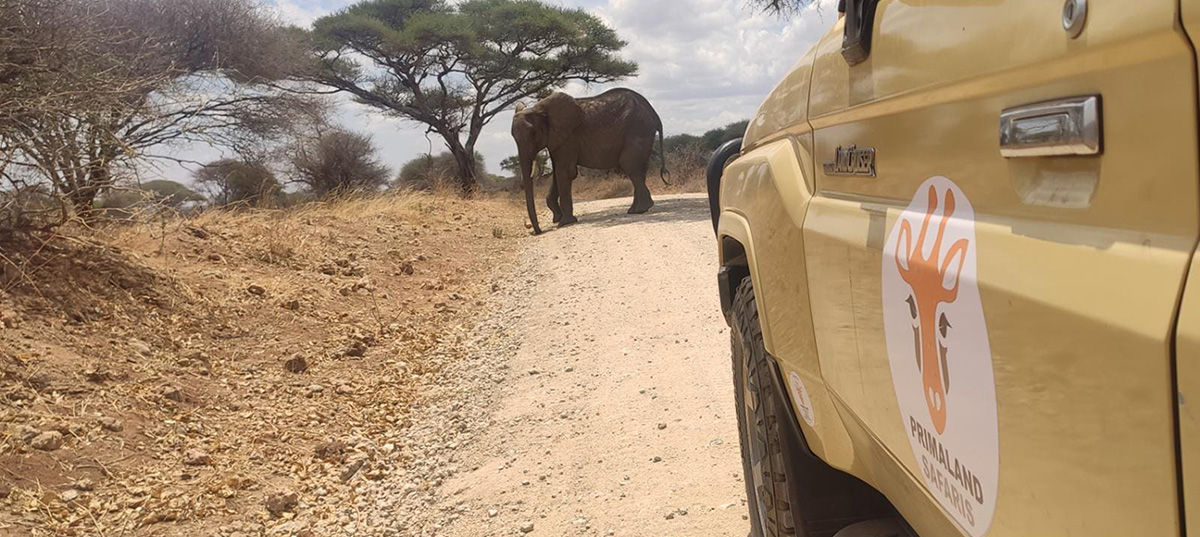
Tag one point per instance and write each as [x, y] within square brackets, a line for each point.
[940, 355]
[934, 280]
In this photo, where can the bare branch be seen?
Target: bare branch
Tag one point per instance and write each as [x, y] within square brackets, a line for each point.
[88, 86]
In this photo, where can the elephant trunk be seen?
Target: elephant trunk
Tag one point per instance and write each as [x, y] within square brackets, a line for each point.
[527, 176]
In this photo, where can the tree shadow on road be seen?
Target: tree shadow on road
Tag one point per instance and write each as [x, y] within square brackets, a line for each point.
[670, 210]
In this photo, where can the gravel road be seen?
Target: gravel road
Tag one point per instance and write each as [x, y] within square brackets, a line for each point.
[613, 412]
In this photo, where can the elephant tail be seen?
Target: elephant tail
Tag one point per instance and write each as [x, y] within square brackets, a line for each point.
[663, 173]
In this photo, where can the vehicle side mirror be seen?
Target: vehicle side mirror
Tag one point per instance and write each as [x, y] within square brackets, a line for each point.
[860, 25]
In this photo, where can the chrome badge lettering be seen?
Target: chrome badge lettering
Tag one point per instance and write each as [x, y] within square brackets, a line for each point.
[852, 161]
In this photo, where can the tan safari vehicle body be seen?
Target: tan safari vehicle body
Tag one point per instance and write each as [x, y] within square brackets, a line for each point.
[964, 232]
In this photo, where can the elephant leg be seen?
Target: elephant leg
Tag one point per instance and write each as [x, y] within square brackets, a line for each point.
[564, 178]
[636, 163]
[552, 202]
[642, 201]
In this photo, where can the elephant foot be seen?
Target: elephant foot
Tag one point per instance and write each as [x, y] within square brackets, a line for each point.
[557, 218]
[557, 212]
[641, 207]
[567, 220]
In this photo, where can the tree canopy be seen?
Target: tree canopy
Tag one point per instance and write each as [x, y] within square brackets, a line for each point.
[710, 140]
[541, 164]
[426, 171]
[159, 192]
[339, 161]
[231, 181]
[689, 153]
[715, 137]
[172, 193]
[782, 7]
[455, 67]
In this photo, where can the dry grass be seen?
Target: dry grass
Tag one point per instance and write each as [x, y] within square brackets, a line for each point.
[181, 328]
[687, 167]
[617, 186]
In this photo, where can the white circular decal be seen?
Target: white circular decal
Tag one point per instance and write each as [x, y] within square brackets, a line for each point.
[801, 400]
[941, 360]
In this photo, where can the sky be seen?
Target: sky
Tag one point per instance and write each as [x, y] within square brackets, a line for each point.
[702, 64]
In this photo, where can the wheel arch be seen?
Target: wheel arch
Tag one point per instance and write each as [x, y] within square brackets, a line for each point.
[765, 189]
[738, 262]
[765, 198]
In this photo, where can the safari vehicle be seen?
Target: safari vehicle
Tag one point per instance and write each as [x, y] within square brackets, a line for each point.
[958, 254]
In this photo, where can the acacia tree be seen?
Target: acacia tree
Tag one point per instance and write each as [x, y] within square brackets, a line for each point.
[454, 67]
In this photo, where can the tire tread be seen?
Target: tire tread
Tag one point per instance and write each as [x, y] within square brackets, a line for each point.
[747, 338]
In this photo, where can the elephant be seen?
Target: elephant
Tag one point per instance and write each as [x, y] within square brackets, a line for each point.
[613, 130]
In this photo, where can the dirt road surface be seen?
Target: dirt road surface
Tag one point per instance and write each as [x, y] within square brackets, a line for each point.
[614, 415]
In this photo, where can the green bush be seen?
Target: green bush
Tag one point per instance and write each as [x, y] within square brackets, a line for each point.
[427, 171]
[230, 181]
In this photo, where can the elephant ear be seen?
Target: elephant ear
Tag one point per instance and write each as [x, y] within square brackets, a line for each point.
[564, 116]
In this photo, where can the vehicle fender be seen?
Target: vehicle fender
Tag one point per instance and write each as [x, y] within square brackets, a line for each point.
[766, 190]
[712, 176]
[765, 195]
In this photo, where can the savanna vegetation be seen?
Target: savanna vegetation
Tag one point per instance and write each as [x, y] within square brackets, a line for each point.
[178, 355]
[95, 93]
[687, 160]
[433, 172]
[164, 342]
[454, 67]
[95, 96]
[90, 89]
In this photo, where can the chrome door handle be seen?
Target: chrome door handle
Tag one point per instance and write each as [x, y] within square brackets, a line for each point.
[1053, 128]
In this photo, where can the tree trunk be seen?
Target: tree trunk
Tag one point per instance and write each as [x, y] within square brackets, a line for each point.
[468, 175]
[97, 179]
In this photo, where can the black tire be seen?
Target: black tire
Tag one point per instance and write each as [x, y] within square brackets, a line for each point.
[760, 416]
[790, 491]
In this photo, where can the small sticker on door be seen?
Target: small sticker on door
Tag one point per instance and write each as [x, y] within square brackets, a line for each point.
[940, 356]
[801, 400]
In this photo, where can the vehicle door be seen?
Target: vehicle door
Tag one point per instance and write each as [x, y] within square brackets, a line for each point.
[1004, 221]
[1187, 350]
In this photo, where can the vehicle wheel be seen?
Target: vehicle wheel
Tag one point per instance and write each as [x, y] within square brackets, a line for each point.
[790, 491]
[760, 415]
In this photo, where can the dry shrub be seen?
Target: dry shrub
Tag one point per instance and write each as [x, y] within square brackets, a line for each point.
[211, 309]
[276, 251]
[686, 165]
[597, 188]
[430, 172]
[297, 237]
[30, 210]
[446, 186]
[339, 161]
[89, 87]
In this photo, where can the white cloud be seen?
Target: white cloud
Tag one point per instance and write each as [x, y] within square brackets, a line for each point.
[295, 14]
[725, 52]
[304, 12]
[706, 63]
[703, 64]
